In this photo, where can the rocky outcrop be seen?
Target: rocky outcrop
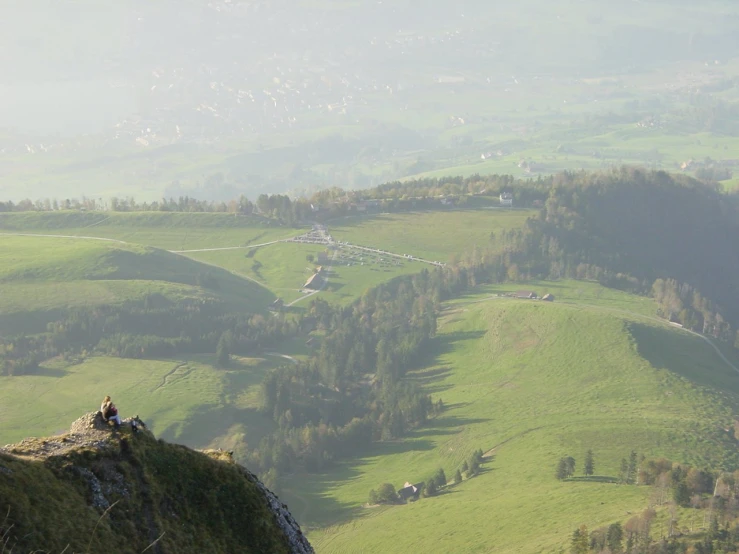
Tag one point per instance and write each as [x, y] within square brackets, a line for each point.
[125, 491]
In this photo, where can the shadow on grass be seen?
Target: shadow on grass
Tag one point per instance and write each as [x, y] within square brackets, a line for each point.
[686, 355]
[209, 423]
[444, 344]
[447, 422]
[594, 479]
[46, 372]
[334, 286]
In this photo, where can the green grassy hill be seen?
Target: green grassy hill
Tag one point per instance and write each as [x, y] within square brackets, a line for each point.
[42, 275]
[171, 231]
[530, 382]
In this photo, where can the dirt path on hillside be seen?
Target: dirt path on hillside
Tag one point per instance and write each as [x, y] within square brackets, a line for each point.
[221, 248]
[62, 237]
[167, 375]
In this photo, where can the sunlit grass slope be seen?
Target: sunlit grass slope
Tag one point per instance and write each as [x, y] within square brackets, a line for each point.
[170, 231]
[429, 235]
[283, 269]
[44, 274]
[531, 382]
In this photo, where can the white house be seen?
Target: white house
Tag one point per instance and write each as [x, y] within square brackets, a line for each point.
[506, 199]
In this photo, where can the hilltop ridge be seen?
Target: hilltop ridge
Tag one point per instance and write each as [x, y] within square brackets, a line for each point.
[94, 489]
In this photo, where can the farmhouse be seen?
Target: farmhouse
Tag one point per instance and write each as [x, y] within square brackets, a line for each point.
[548, 297]
[525, 294]
[277, 304]
[409, 491]
[315, 282]
[506, 199]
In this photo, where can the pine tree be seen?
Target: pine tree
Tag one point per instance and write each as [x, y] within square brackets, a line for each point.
[589, 466]
[223, 350]
[562, 469]
[624, 474]
[681, 494]
[580, 542]
[474, 467]
[457, 477]
[632, 467]
[570, 461]
[615, 537]
[430, 489]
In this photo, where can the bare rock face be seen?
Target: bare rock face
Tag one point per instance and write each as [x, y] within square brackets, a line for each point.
[287, 523]
[92, 421]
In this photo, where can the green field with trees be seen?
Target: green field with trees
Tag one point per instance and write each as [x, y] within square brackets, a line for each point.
[398, 371]
[530, 382]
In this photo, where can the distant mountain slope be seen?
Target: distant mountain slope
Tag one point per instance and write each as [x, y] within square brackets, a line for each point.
[94, 491]
[530, 382]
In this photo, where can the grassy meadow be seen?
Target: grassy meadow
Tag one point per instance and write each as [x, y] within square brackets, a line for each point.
[40, 277]
[529, 382]
[185, 400]
[283, 269]
[169, 231]
[428, 235]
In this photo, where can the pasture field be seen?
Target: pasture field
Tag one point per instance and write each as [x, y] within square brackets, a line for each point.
[434, 236]
[529, 382]
[40, 277]
[186, 400]
[283, 269]
[348, 279]
[61, 271]
[580, 293]
[169, 231]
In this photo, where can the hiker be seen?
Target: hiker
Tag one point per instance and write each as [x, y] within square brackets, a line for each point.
[110, 412]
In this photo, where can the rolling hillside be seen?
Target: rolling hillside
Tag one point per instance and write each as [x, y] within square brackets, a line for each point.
[42, 275]
[167, 230]
[529, 382]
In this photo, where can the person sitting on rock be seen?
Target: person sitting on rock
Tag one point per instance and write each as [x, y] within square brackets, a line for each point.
[110, 412]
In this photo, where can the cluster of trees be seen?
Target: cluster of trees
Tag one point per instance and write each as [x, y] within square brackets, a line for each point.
[352, 390]
[470, 467]
[385, 494]
[683, 304]
[611, 537]
[151, 328]
[628, 470]
[637, 536]
[714, 496]
[566, 466]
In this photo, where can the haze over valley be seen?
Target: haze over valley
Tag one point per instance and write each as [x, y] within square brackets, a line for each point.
[441, 276]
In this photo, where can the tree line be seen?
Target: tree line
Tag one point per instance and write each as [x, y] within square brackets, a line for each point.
[711, 527]
[154, 327]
